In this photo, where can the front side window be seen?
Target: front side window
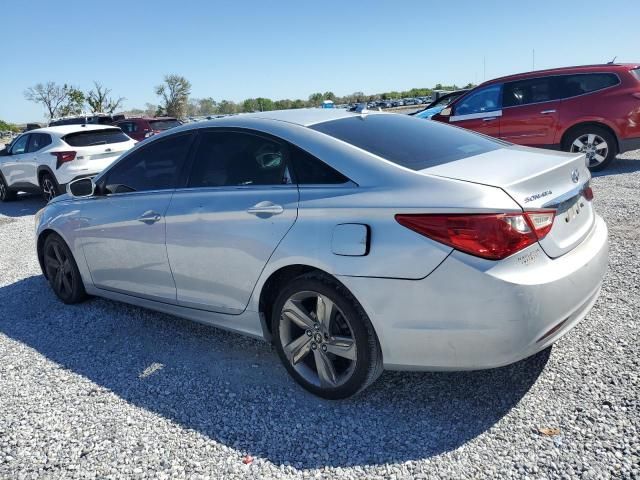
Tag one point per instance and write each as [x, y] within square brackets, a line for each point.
[156, 166]
[525, 92]
[20, 145]
[484, 100]
[225, 159]
[574, 85]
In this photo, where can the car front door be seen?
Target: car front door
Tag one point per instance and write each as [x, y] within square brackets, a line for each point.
[238, 204]
[479, 110]
[13, 166]
[123, 228]
[530, 112]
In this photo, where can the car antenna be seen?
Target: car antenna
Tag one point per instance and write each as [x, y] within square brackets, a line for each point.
[614, 59]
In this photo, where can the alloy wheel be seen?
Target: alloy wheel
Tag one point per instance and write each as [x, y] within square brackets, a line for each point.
[317, 339]
[59, 269]
[3, 190]
[593, 146]
[48, 189]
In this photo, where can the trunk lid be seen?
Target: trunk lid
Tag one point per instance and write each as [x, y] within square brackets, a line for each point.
[535, 179]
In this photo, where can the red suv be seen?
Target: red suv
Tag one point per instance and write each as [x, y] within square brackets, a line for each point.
[593, 109]
[141, 127]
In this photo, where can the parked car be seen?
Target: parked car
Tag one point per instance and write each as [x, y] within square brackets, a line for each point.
[436, 107]
[426, 247]
[89, 119]
[47, 159]
[593, 109]
[140, 128]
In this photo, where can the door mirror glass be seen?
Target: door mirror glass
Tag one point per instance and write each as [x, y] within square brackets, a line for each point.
[83, 187]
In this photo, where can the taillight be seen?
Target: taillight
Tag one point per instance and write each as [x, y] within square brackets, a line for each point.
[492, 236]
[587, 193]
[63, 157]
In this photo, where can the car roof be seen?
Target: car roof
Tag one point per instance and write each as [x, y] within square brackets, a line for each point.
[146, 118]
[605, 67]
[300, 116]
[62, 130]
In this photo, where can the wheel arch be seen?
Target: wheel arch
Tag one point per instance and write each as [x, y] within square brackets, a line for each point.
[42, 237]
[42, 169]
[590, 123]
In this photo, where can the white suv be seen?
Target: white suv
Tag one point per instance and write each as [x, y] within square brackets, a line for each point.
[46, 159]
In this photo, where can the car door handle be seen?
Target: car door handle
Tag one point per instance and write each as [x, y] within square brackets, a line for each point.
[488, 119]
[265, 208]
[546, 112]
[149, 217]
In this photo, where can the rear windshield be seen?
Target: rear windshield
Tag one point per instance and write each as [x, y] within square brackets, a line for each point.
[96, 137]
[163, 124]
[636, 73]
[407, 141]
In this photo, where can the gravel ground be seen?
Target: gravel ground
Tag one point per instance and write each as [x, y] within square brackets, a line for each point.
[107, 390]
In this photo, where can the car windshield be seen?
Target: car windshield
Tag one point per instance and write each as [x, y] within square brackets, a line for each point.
[636, 73]
[163, 124]
[95, 137]
[407, 141]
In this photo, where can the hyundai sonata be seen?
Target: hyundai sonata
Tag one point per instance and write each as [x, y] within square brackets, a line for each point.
[354, 242]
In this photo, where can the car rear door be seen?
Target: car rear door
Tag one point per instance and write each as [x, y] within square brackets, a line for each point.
[480, 110]
[123, 229]
[222, 229]
[530, 111]
[13, 165]
[32, 159]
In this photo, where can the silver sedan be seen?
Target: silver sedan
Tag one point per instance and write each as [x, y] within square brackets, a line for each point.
[354, 242]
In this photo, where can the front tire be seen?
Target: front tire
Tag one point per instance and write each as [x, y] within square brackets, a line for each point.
[324, 338]
[597, 143]
[62, 271]
[6, 195]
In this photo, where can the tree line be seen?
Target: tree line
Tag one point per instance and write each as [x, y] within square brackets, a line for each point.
[174, 100]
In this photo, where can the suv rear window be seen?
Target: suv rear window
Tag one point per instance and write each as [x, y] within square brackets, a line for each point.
[95, 137]
[163, 124]
[406, 141]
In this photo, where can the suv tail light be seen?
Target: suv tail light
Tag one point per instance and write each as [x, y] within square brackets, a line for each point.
[492, 236]
[63, 157]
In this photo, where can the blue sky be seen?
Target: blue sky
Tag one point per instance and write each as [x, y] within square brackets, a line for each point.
[289, 49]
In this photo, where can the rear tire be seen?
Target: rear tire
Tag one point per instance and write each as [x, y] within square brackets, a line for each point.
[324, 338]
[599, 145]
[49, 187]
[6, 195]
[62, 271]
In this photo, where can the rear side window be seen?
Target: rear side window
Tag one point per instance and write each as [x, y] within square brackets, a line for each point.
[128, 127]
[529, 91]
[38, 141]
[407, 141]
[311, 171]
[156, 166]
[89, 138]
[574, 85]
[238, 159]
[163, 124]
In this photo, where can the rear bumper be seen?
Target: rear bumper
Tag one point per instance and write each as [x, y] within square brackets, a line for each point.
[474, 314]
[629, 144]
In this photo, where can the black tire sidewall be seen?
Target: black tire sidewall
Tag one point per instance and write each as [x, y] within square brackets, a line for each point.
[356, 317]
[56, 187]
[78, 294]
[602, 132]
[9, 195]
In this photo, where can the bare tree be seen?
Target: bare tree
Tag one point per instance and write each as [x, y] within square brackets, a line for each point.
[50, 95]
[174, 93]
[99, 100]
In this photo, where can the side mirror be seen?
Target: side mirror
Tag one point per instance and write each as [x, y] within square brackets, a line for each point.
[81, 188]
[446, 112]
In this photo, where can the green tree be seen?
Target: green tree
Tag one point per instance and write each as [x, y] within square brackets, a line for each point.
[250, 105]
[207, 106]
[282, 104]
[264, 104]
[227, 106]
[174, 93]
[329, 96]
[298, 104]
[74, 103]
[315, 99]
[98, 99]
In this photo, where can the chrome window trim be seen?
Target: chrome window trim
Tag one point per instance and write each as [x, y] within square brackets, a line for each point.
[475, 116]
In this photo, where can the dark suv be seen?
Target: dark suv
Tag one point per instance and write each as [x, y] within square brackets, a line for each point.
[593, 109]
[140, 128]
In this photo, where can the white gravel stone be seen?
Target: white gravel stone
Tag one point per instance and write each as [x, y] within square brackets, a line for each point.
[105, 390]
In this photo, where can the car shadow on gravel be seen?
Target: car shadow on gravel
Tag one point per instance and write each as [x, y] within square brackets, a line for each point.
[233, 389]
[620, 166]
[24, 205]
